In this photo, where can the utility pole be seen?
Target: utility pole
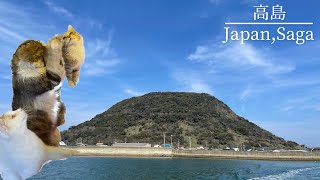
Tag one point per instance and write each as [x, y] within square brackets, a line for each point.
[164, 140]
[171, 142]
[190, 142]
[125, 140]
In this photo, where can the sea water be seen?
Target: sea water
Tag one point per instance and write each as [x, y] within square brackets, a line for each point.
[175, 168]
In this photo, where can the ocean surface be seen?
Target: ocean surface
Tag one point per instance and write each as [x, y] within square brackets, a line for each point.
[175, 168]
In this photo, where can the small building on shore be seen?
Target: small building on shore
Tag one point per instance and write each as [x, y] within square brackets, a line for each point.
[61, 143]
[315, 149]
[131, 145]
[236, 149]
[81, 144]
[101, 144]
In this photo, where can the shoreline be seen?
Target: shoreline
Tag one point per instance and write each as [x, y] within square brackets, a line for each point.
[96, 151]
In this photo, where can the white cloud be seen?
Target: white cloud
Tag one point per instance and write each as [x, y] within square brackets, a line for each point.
[133, 92]
[240, 58]
[58, 10]
[246, 93]
[15, 24]
[238, 65]
[297, 81]
[307, 102]
[100, 67]
[11, 33]
[6, 77]
[287, 108]
[199, 86]
[7, 8]
[192, 82]
[100, 57]
[102, 46]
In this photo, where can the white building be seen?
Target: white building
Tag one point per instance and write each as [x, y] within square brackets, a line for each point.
[61, 143]
[200, 148]
[236, 149]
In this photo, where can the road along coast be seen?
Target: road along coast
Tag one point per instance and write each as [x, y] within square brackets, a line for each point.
[162, 152]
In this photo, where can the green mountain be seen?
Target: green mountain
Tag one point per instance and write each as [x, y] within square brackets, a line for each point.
[205, 119]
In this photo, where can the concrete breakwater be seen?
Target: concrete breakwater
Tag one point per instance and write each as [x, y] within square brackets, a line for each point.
[161, 152]
[255, 155]
[122, 151]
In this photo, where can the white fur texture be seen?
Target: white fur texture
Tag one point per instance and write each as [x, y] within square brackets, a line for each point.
[22, 153]
[27, 70]
[48, 102]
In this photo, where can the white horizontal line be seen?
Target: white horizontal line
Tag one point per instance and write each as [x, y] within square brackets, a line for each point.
[269, 23]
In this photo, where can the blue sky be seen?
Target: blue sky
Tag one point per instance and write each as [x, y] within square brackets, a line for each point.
[136, 47]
